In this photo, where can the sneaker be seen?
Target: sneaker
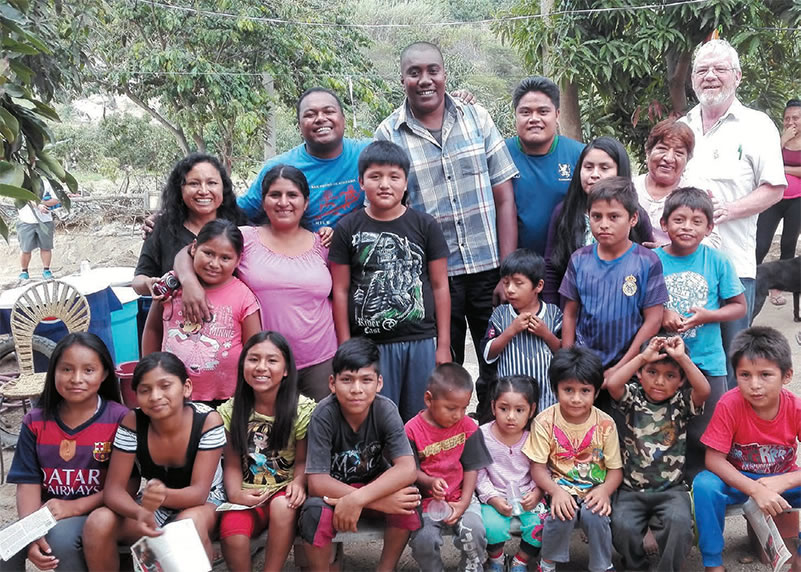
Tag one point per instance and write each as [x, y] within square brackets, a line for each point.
[47, 275]
[24, 275]
[517, 566]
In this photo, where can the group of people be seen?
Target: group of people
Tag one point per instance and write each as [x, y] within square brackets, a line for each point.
[308, 367]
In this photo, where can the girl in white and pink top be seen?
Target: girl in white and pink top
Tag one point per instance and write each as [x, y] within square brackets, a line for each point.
[505, 488]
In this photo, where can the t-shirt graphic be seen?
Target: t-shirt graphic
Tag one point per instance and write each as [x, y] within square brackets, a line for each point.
[762, 459]
[392, 289]
[259, 463]
[687, 290]
[358, 465]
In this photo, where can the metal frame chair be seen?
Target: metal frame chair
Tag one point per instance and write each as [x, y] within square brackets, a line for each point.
[43, 300]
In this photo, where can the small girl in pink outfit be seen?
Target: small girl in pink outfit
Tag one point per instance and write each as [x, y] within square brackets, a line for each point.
[209, 349]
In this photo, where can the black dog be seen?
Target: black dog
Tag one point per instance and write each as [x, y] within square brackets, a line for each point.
[784, 275]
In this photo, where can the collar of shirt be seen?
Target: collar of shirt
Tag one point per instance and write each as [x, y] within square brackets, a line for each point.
[453, 109]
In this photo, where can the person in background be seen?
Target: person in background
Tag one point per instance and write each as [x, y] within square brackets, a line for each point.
[787, 210]
[545, 159]
[35, 229]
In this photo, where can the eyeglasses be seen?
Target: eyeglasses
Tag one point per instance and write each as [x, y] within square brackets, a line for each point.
[717, 71]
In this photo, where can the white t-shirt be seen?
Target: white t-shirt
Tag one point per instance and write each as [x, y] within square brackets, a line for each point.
[26, 213]
[739, 153]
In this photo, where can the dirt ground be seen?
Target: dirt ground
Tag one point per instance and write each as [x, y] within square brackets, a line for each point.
[118, 244]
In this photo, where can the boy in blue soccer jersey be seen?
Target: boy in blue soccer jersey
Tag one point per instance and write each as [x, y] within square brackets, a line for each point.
[614, 288]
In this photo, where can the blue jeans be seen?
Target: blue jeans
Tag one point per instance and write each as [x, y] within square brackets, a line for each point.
[728, 330]
[712, 496]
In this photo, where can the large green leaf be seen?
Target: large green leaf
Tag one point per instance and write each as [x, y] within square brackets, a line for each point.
[15, 192]
[11, 174]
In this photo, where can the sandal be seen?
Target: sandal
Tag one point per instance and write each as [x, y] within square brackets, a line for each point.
[778, 300]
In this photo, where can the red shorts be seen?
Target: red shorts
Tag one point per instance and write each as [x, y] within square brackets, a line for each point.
[249, 522]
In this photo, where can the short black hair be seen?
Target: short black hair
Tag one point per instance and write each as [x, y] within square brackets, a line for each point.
[762, 342]
[792, 103]
[419, 46]
[354, 354]
[449, 377]
[536, 83]
[526, 262]
[312, 90]
[576, 363]
[620, 189]
[664, 357]
[690, 197]
[383, 153]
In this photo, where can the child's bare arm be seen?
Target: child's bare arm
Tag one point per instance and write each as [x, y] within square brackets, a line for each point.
[340, 275]
[617, 381]
[769, 501]
[541, 330]
[732, 309]
[782, 482]
[251, 325]
[468, 488]
[652, 319]
[675, 348]
[599, 499]
[518, 325]
[154, 329]
[569, 319]
[438, 275]
[563, 505]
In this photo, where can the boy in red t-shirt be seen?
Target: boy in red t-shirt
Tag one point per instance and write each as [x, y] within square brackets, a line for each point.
[751, 441]
[450, 450]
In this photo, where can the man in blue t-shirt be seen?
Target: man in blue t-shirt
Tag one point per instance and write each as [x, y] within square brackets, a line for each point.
[545, 160]
[327, 159]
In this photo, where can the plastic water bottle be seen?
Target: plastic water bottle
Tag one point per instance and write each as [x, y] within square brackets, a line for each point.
[514, 498]
[85, 267]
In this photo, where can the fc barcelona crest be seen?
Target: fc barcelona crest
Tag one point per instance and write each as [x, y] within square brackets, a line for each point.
[66, 450]
[101, 451]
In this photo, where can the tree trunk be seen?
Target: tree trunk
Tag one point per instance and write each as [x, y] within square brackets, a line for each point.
[176, 130]
[570, 114]
[678, 66]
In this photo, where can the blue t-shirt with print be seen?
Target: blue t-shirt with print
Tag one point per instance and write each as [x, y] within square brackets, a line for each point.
[701, 279]
[541, 186]
[333, 184]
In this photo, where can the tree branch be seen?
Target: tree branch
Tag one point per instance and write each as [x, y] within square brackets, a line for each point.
[176, 131]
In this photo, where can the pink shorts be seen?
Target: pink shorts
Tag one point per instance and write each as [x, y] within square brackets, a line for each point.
[249, 522]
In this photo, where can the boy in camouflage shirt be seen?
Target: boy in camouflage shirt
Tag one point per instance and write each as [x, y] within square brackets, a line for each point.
[656, 410]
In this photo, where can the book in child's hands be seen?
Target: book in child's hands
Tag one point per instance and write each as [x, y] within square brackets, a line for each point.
[17, 536]
[177, 550]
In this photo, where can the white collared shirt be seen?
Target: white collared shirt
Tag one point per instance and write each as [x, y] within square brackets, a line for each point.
[740, 152]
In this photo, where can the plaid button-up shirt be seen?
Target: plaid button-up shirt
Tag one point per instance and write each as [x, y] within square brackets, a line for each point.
[453, 181]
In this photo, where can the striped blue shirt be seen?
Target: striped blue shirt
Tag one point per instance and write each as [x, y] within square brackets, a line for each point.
[525, 354]
[453, 181]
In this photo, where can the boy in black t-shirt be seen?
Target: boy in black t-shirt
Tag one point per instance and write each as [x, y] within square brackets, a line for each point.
[358, 461]
[390, 270]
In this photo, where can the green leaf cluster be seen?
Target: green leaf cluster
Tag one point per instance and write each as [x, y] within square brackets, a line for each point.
[24, 109]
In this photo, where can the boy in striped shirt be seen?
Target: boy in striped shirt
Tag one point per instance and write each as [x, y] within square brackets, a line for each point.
[522, 333]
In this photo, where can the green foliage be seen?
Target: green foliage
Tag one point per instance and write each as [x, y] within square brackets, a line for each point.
[24, 112]
[203, 76]
[622, 60]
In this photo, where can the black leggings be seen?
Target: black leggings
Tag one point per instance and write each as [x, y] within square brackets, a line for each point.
[790, 211]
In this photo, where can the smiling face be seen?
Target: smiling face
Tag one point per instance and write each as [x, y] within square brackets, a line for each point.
[215, 260]
[660, 380]
[512, 413]
[666, 162]
[321, 123]
[264, 368]
[79, 374]
[611, 223]
[423, 79]
[447, 408]
[597, 165]
[575, 400]
[715, 80]
[284, 204]
[202, 190]
[686, 228]
[535, 122]
[161, 394]
[760, 382]
[355, 391]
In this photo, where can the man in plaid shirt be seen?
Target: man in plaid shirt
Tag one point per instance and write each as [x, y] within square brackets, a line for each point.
[461, 174]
